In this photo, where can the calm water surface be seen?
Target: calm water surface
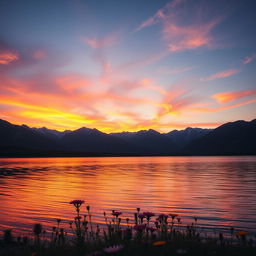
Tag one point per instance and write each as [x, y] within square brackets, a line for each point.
[220, 191]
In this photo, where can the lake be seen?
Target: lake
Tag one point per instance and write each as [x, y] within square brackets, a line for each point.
[219, 191]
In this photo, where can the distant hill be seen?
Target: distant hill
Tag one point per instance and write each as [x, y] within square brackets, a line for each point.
[183, 137]
[149, 141]
[236, 138]
[54, 134]
[92, 140]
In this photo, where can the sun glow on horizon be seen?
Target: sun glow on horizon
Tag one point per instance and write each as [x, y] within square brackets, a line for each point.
[177, 64]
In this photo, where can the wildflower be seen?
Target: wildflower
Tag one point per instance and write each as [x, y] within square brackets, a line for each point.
[140, 227]
[162, 217]
[77, 203]
[181, 251]
[113, 249]
[148, 215]
[173, 215]
[159, 243]
[116, 213]
[141, 216]
[88, 208]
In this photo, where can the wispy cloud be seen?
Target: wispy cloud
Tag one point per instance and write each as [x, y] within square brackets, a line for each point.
[222, 108]
[222, 74]
[6, 57]
[249, 59]
[160, 15]
[96, 43]
[180, 36]
[173, 71]
[225, 97]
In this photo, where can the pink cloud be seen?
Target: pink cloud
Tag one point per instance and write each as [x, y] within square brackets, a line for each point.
[96, 43]
[249, 59]
[218, 109]
[6, 57]
[225, 97]
[222, 74]
[180, 36]
[73, 83]
[160, 15]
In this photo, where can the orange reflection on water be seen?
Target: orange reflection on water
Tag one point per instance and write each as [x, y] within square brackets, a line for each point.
[219, 190]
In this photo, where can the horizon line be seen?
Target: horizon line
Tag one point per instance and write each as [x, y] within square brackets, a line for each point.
[125, 131]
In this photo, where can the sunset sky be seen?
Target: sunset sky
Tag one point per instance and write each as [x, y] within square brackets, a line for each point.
[119, 65]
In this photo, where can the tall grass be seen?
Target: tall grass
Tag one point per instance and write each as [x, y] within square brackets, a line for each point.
[146, 234]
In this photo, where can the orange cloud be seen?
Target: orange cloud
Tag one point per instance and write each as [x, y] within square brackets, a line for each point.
[249, 59]
[231, 96]
[222, 74]
[6, 57]
[77, 101]
[73, 82]
[218, 109]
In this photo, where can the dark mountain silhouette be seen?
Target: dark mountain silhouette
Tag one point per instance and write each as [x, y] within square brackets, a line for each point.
[183, 137]
[92, 140]
[24, 137]
[54, 134]
[235, 138]
[149, 141]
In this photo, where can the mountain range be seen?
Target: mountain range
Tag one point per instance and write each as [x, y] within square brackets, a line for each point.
[234, 138]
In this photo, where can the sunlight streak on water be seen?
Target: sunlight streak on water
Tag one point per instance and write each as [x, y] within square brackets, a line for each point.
[220, 191]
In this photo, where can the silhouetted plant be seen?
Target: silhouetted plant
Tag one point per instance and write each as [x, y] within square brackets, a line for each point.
[37, 230]
[146, 234]
[8, 238]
